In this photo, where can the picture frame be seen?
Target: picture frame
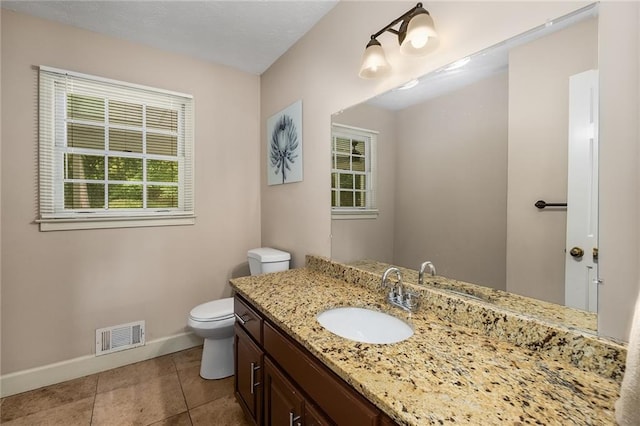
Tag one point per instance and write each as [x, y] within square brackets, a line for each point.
[284, 145]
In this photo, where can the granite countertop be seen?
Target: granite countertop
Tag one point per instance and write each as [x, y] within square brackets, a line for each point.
[570, 317]
[444, 373]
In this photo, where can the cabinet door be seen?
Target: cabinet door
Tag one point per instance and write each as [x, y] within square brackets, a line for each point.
[248, 375]
[313, 417]
[283, 403]
[341, 403]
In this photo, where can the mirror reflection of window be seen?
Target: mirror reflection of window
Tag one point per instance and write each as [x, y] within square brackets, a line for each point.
[352, 169]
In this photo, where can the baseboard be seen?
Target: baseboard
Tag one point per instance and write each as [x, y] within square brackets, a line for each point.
[34, 378]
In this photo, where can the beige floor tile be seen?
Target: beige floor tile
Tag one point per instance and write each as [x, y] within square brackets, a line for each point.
[222, 412]
[133, 374]
[181, 419]
[187, 358]
[142, 404]
[42, 399]
[72, 414]
[198, 391]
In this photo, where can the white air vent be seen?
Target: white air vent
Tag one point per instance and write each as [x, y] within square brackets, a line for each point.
[119, 337]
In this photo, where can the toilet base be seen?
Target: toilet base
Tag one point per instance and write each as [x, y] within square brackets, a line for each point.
[217, 358]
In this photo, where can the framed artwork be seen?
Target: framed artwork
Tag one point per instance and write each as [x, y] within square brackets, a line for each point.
[284, 145]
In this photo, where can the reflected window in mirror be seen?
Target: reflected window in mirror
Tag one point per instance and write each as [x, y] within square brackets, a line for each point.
[353, 174]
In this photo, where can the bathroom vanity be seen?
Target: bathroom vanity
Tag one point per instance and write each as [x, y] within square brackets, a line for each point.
[290, 370]
[279, 382]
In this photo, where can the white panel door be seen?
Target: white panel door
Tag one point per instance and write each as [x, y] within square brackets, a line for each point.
[581, 264]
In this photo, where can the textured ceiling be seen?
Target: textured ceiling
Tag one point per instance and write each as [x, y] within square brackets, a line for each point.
[248, 35]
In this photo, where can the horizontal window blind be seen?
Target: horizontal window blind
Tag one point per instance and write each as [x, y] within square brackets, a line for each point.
[112, 149]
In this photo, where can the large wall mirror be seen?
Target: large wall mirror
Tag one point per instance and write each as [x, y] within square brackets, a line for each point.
[449, 168]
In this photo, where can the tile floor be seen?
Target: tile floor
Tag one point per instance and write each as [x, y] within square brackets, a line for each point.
[162, 391]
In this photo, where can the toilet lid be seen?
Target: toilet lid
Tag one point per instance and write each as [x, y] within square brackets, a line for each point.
[213, 311]
[268, 255]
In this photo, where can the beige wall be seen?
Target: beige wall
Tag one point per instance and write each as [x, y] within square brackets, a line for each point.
[538, 129]
[451, 187]
[355, 239]
[321, 69]
[619, 260]
[58, 287]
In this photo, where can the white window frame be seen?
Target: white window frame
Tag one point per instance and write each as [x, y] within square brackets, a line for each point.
[54, 85]
[370, 211]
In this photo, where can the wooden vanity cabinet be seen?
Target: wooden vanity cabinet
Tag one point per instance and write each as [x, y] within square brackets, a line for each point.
[282, 402]
[249, 362]
[313, 417]
[249, 319]
[291, 386]
[285, 404]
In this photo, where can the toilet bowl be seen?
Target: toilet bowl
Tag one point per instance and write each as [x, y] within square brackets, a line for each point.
[214, 320]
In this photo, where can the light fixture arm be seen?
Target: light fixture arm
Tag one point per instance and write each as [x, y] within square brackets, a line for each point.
[414, 30]
[404, 18]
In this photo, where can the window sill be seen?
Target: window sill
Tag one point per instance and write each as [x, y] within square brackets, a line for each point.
[354, 214]
[113, 222]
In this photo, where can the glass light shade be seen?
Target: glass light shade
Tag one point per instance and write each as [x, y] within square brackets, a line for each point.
[419, 31]
[374, 62]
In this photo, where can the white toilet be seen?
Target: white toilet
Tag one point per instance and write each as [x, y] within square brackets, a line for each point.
[214, 320]
[266, 259]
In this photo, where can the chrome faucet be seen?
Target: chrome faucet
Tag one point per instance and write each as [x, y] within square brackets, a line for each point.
[397, 290]
[398, 295]
[423, 266]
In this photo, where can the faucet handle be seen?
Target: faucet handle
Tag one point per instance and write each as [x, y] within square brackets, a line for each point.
[411, 300]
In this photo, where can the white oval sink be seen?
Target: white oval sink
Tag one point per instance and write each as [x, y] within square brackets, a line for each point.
[365, 325]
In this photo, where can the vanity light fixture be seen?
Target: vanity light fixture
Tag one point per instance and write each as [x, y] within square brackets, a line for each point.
[416, 28]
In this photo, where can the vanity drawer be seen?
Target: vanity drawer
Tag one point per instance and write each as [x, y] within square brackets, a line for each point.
[249, 319]
[341, 403]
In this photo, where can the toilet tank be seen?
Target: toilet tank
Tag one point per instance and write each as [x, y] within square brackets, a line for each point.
[267, 259]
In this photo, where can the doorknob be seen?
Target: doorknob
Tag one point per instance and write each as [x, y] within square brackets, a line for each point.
[576, 252]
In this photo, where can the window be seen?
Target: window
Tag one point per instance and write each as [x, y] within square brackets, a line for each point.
[353, 172]
[113, 154]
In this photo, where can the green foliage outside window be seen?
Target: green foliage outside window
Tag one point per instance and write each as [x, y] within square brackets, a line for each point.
[120, 182]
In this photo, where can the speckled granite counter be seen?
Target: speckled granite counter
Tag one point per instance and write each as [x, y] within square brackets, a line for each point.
[445, 373]
[575, 318]
[579, 348]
